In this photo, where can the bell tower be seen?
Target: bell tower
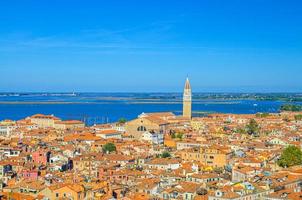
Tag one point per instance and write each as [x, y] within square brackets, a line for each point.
[187, 100]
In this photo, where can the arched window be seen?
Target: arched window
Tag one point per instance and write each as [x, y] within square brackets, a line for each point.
[141, 128]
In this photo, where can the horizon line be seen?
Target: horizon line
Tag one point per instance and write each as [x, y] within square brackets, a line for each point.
[149, 92]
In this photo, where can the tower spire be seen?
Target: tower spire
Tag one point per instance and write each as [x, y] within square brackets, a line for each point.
[187, 84]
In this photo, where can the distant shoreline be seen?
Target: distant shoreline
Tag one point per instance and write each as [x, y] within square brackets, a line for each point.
[135, 102]
[37, 103]
[79, 98]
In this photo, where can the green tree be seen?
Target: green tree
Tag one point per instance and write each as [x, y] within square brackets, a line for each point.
[252, 127]
[298, 117]
[166, 154]
[290, 156]
[240, 130]
[291, 107]
[179, 135]
[109, 147]
[122, 120]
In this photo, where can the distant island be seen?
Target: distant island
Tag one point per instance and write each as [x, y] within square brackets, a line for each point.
[172, 96]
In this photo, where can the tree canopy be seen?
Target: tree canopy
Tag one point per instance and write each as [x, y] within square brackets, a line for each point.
[177, 135]
[166, 154]
[109, 147]
[290, 156]
[298, 117]
[122, 120]
[252, 127]
[291, 107]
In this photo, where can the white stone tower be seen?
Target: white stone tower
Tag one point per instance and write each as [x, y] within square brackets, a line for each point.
[187, 100]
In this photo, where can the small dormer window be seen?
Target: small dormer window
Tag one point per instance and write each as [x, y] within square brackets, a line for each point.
[141, 128]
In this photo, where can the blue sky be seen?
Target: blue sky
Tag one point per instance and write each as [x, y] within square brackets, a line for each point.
[143, 46]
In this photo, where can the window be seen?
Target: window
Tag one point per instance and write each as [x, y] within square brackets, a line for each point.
[141, 128]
